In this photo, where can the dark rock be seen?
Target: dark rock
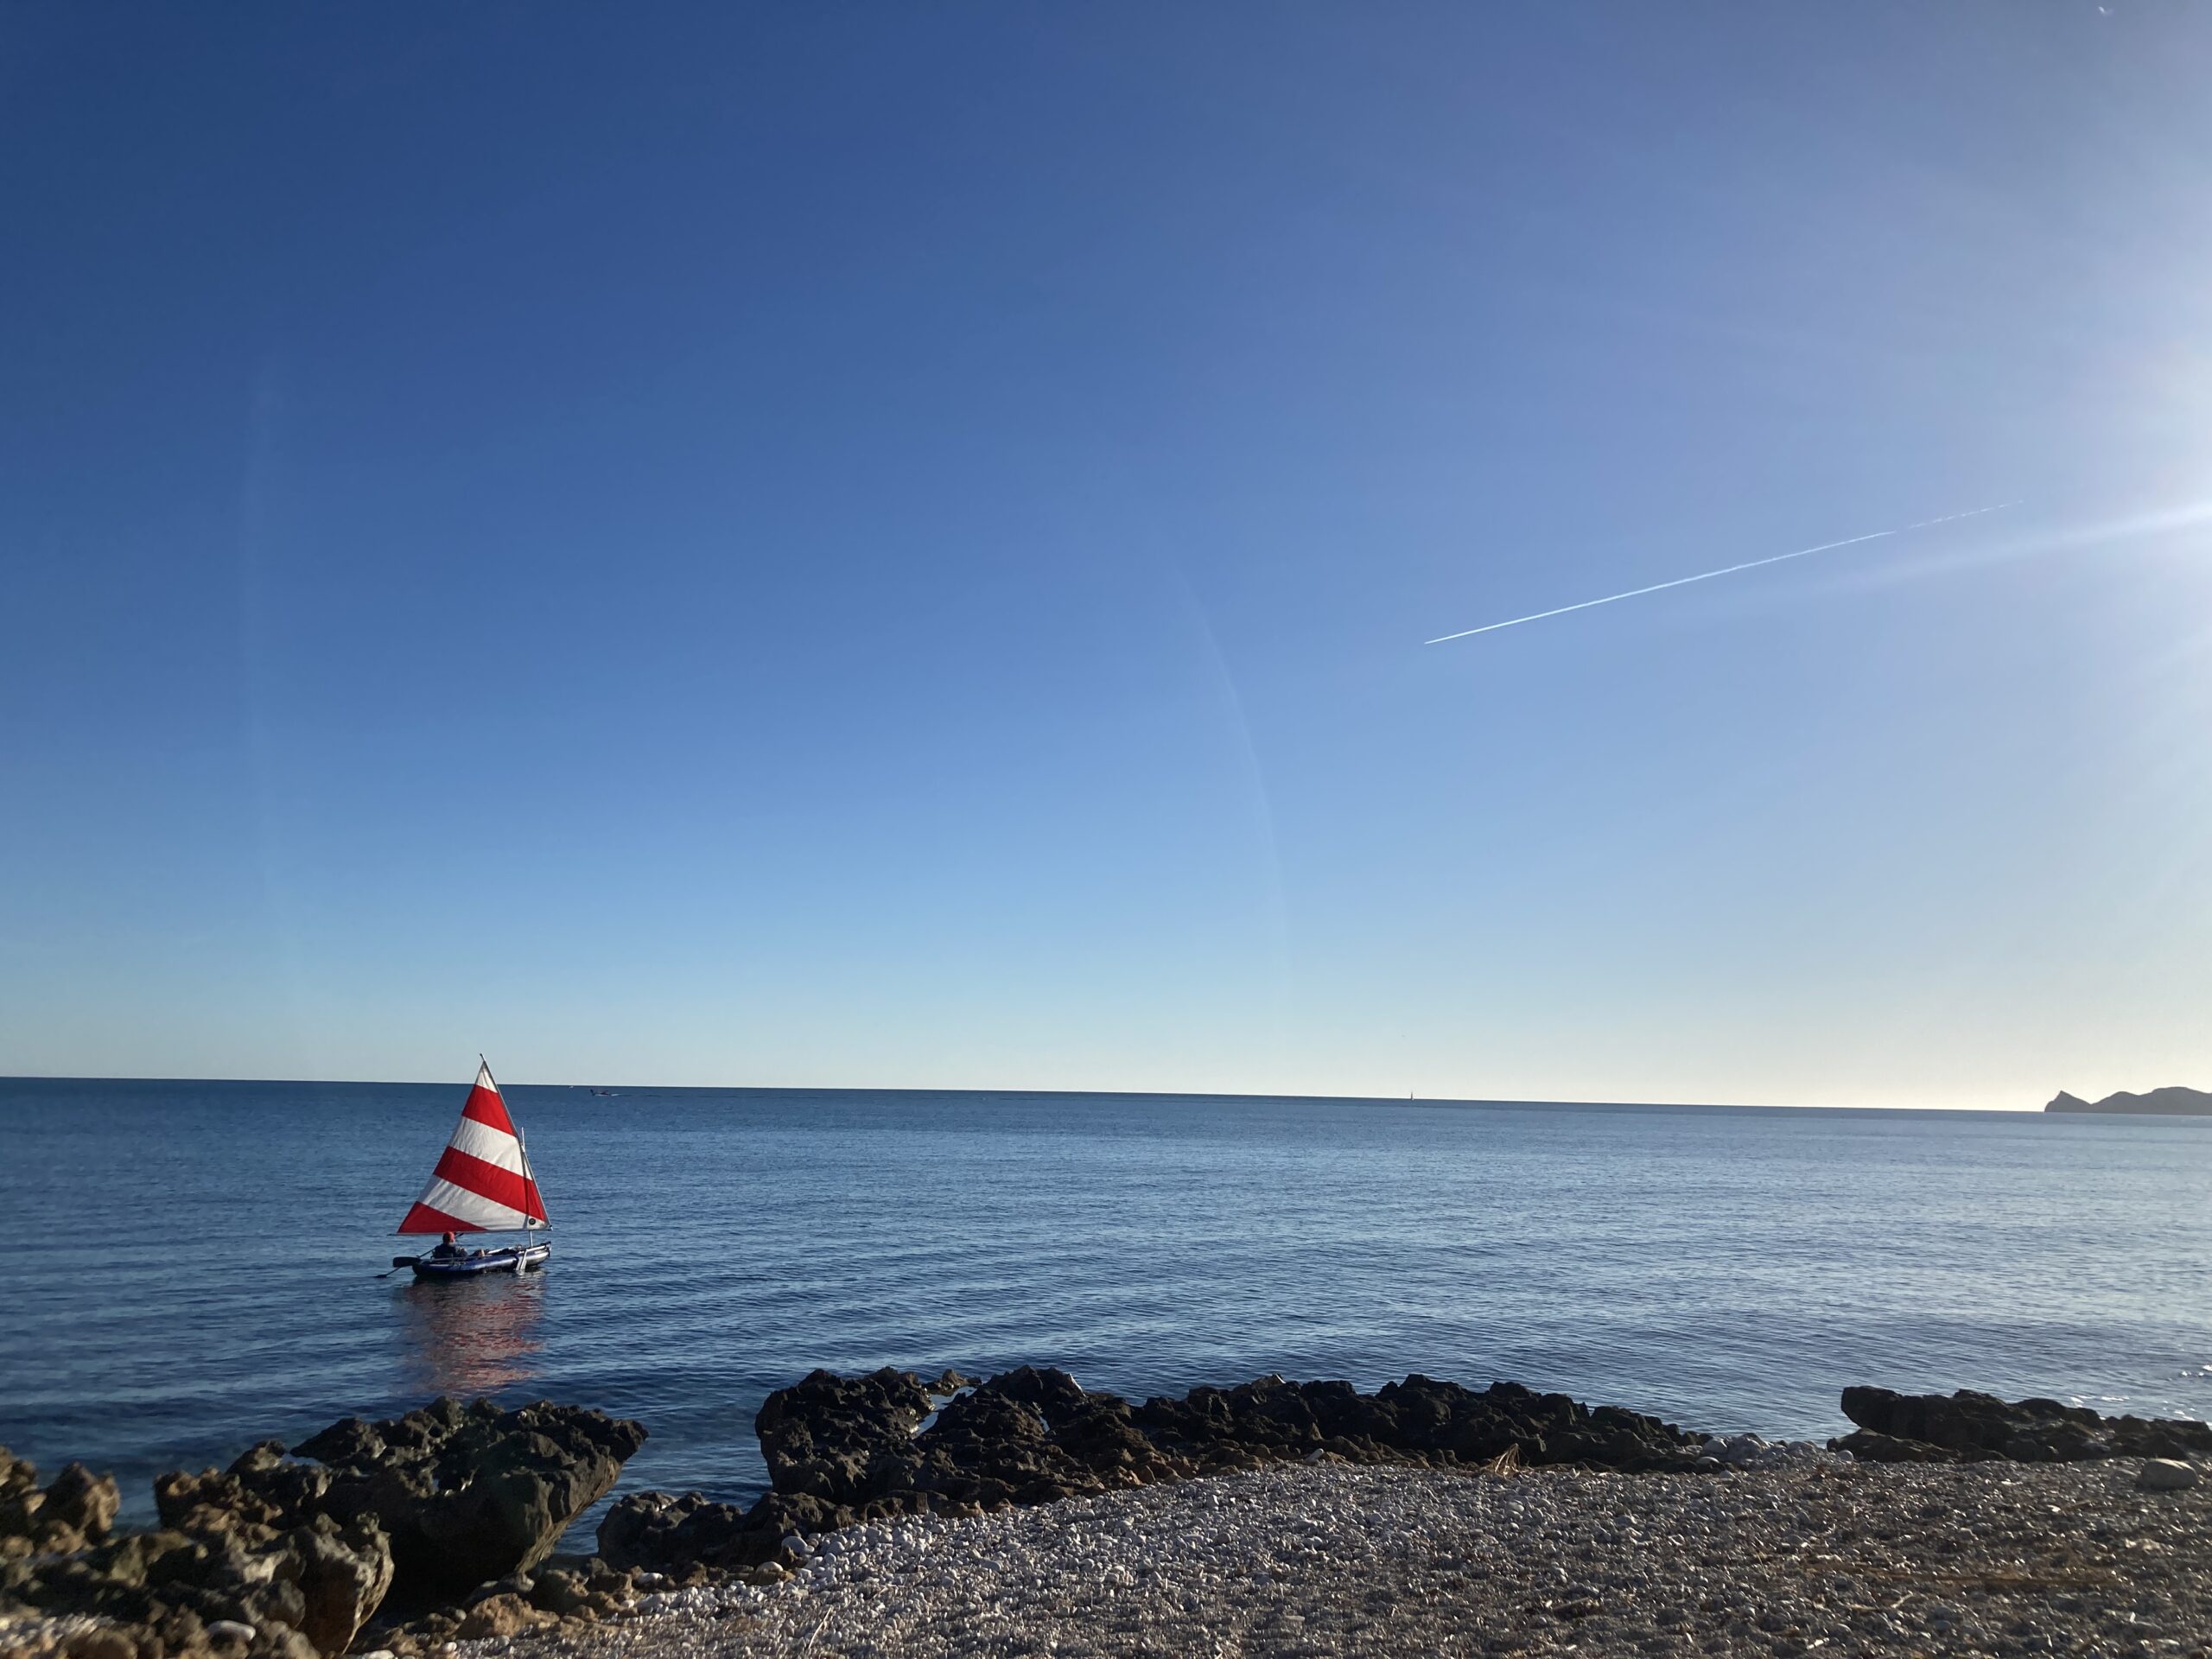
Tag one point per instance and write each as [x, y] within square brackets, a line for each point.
[350, 1442]
[1868, 1446]
[81, 1501]
[465, 1494]
[784, 1513]
[343, 1574]
[845, 1449]
[20, 1498]
[73, 1512]
[655, 1530]
[826, 1435]
[279, 1559]
[257, 1495]
[1029, 1436]
[840, 1449]
[1419, 1421]
[1980, 1427]
[317, 1583]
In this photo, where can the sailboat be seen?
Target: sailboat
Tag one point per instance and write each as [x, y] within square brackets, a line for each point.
[482, 1185]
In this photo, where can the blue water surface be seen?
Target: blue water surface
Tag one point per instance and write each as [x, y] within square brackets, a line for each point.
[189, 1264]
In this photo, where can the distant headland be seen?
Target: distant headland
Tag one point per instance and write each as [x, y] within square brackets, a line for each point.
[2169, 1102]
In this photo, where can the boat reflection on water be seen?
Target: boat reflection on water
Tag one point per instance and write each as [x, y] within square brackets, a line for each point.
[466, 1336]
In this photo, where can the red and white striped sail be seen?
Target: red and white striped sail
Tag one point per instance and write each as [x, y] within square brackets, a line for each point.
[482, 1184]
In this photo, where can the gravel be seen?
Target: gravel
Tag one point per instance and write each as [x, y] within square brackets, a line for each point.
[1998, 1559]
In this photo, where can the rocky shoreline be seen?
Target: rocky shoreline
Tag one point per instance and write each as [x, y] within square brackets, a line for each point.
[436, 1528]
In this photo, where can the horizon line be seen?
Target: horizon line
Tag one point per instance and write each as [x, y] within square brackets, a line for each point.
[1133, 1094]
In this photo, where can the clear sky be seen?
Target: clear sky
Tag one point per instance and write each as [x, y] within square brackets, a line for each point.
[891, 545]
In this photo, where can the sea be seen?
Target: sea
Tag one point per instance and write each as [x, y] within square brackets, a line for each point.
[192, 1267]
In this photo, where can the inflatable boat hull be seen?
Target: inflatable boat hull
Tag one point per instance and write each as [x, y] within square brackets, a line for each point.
[519, 1258]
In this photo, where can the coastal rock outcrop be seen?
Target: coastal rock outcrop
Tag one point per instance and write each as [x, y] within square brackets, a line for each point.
[1969, 1426]
[466, 1494]
[658, 1530]
[841, 1438]
[1418, 1421]
[839, 1449]
[842, 1450]
[290, 1595]
[289, 1557]
[72, 1511]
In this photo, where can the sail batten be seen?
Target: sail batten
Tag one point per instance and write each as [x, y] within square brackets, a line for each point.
[482, 1183]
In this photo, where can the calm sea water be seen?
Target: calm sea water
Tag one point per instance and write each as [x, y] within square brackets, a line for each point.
[188, 1264]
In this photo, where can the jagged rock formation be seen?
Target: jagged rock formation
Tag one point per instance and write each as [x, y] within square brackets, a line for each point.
[466, 1494]
[2174, 1102]
[285, 1595]
[1971, 1427]
[844, 1449]
[275, 1558]
[73, 1512]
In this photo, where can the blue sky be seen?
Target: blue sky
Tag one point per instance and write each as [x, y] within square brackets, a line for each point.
[888, 545]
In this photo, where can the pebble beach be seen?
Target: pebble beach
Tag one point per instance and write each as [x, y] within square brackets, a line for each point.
[1995, 1558]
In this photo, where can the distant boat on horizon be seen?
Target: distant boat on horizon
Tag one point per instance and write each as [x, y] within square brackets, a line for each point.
[482, 1184]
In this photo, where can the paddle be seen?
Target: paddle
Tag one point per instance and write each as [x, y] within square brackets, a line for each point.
[397, 1262]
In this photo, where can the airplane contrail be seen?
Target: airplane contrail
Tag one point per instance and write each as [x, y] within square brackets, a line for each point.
[1708, 576]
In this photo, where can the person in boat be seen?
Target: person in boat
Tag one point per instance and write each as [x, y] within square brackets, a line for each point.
[449, 1249]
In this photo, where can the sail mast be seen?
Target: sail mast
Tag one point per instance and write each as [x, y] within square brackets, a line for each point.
[521, 1145]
